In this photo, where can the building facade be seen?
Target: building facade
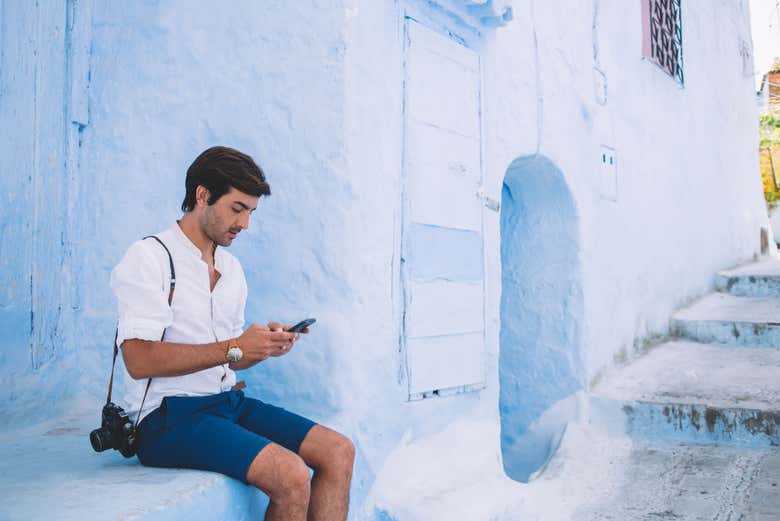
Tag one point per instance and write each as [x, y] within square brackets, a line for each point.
[484, 204]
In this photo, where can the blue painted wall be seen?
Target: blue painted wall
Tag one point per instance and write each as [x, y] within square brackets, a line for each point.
[104, 107]
[105, 104]
[41, 90]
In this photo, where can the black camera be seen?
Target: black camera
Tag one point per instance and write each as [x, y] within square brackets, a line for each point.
[116, 432]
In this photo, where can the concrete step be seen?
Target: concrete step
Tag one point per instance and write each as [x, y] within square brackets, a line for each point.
[758, 279]
[692, 392]
[685, 482]
[728, 319]
[51, 472]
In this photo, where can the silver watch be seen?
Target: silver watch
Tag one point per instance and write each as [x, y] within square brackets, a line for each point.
[234, 354]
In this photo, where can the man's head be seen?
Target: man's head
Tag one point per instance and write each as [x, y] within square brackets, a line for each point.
[223, 187]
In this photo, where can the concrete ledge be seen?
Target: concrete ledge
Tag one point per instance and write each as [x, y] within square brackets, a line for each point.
[765, 266]
[680, 372]
[749, 285]
[688, 423]
[730, 308]
[728, 319]
[690, 392]
[703, 424]
[750, 334]
[757, 279]
[51, 472]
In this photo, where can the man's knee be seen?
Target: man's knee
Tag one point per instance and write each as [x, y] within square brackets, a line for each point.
[345, 451]
[341, 455]
[281, 474]
[327, 451]
[294, 483]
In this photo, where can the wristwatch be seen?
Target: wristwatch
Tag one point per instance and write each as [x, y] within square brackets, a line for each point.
[234, 353]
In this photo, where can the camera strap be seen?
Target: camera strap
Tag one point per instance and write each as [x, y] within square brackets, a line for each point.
[116, 335]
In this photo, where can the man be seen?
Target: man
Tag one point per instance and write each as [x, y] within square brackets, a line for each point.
[194, 414]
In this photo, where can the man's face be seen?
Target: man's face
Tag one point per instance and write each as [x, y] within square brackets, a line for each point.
[225, 219]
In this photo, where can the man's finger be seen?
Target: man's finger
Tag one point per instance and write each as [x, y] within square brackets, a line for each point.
[281, 350]
[282, 342]
[274, 326]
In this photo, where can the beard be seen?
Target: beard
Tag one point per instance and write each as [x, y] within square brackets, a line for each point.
[223, 241]
[216, 230]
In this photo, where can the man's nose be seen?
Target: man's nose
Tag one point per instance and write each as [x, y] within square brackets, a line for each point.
[243, 220]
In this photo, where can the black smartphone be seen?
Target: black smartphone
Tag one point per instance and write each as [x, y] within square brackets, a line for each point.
[300, 326]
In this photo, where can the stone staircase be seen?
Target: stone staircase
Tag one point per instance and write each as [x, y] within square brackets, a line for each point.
[719, 380]
[707, 399]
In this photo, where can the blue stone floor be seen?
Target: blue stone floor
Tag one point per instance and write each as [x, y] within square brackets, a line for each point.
[687, 482]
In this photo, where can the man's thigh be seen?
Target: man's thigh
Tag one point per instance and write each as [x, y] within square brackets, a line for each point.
[203, 442]
[274, 423]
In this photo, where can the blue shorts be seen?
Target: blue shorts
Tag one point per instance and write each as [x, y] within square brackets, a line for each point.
[222, 432]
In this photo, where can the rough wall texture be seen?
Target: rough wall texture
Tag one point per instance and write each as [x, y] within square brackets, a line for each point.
[97, 138]
[687, 200]
[582, 85]
[43, 85]
[163, 86]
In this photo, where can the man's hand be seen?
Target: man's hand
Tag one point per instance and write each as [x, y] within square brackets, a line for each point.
[259, 342]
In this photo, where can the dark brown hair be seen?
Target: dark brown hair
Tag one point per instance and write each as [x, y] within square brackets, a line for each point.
[219, 168]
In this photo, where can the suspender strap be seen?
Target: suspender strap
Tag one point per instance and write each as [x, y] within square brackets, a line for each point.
[116, 335]
[113, 363]
[170, 262]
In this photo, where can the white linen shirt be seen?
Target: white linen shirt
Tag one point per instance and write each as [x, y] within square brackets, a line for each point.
[197, 315]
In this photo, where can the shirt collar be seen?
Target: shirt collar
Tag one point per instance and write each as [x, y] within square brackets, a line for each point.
[184, 240]
[190, 246]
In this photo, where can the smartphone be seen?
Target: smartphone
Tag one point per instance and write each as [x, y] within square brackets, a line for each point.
[300, 326]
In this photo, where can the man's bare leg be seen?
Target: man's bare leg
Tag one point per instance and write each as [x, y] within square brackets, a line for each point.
[332, 456]
[284, 477]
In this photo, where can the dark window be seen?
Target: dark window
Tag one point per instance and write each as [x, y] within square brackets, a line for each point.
[662, 35]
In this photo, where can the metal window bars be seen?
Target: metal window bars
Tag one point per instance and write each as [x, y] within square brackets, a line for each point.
[662, 35]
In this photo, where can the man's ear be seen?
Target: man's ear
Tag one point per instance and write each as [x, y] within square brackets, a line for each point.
[202, 196]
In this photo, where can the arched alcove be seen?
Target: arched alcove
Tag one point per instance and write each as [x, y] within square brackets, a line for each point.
[540, 362]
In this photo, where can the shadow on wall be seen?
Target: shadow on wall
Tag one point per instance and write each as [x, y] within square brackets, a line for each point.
[540, 363]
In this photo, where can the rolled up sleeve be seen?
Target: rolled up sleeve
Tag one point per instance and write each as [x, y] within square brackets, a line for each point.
[140, 285]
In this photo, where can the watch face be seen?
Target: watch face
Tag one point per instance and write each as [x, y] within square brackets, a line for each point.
[234, 354]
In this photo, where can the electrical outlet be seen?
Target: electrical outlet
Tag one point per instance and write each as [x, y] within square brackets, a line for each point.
[608, 173]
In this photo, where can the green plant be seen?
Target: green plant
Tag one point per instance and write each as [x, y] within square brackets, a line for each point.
[769, 157]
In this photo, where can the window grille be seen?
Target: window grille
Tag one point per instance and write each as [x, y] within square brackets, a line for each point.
[662, 35]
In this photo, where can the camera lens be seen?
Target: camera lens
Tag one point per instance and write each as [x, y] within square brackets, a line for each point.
[100, 440]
